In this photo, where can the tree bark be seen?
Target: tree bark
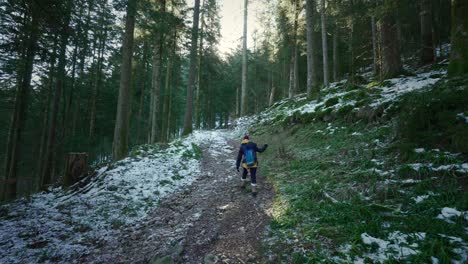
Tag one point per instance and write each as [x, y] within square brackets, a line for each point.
[46, 112]
[459, 53]
[243, 102]
[335, 56]
[324, 45]
[156, 81]
[122, 122]
[142, 89]
[311, 62]
[427, 45]
[293, 78]
[19, 116]
[191, 80]
[49, 163]
[76, 166]
[375, 68]
[97, 80]
[391, 61]
[199, 75]
[168, 91]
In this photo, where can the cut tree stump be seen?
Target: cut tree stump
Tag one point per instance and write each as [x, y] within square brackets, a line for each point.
[76, 167]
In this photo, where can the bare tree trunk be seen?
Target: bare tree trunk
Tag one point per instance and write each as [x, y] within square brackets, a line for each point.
[391, 60]
[427, 45]
[293, 70]
[19, 116]
[193, 57]
[200, 57]
[97, 79]
[459, 52]
[142, 89]
[156, 81]
[49, 162]
[311, 62]
[167, 93]
[272, 95]
[155, 89]
[243, 110]
[374, 47]
[122, 122]
[351, 52]
[324, 45]
[335, 56]
[44, 136]
[237, 101]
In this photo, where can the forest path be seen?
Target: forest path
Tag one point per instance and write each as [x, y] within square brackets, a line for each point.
[211, 221]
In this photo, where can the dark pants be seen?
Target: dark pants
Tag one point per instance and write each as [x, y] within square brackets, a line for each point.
[253, 172]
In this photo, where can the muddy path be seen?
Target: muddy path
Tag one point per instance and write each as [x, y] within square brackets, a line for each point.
[211, 221]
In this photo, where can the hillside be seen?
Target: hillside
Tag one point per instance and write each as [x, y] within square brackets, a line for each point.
[368, 173]
[371, 173]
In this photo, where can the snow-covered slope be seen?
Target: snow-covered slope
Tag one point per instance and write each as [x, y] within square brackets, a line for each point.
[62, 226]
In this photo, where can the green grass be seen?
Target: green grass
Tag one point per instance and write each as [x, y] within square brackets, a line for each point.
[328, 192]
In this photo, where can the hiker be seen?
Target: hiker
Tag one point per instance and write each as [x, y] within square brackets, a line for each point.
[248, 154]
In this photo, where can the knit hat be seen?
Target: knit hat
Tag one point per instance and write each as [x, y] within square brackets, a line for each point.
[246, 137]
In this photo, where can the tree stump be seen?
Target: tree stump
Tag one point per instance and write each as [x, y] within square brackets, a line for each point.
[76, 166]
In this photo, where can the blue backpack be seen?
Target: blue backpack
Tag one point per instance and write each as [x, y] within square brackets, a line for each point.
[249, 157]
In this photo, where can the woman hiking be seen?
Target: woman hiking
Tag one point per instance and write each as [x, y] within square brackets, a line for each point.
[248, 154]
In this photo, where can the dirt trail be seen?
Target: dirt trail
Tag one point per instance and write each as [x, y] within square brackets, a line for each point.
[211, 221]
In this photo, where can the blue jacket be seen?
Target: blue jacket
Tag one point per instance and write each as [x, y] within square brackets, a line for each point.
[246, 144]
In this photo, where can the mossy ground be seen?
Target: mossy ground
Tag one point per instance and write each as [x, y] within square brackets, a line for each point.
[335, 181]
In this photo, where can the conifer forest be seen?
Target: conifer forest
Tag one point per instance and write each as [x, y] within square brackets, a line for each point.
[122, 124]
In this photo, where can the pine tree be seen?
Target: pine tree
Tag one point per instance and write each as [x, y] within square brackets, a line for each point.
[188, 127]
[122, 122]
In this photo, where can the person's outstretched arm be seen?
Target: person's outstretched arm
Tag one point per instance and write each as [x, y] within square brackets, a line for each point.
[261, 149]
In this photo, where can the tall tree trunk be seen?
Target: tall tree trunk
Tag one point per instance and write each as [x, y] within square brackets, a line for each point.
[167, 91]
[199, 75]
[375, 67]
[324, 45]
[142, 89]
[122, 122]
[19, 116]
[293, 65]
[351, 52]
[237, 101]
[46, 112]
[49, 163]
[191, 80]
[427, 45]
[272, 95]
[156, 81]
[243, 110]
[335, 56]
[311, 62]
[459, 53]
[97, 80]
[391, 61]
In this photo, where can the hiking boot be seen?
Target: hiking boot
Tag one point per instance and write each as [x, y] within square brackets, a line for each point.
[254, 191]
[242, 186]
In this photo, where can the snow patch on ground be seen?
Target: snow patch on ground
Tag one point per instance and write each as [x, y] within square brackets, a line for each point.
[421, 198]
[397, 246]
[462, 168]
[62, 225]
[463, 117]
[447, 213]
[402, 85]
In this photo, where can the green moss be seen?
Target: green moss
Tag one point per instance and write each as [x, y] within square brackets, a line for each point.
[332, 101]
